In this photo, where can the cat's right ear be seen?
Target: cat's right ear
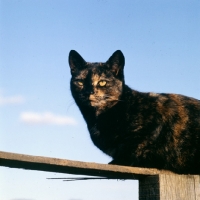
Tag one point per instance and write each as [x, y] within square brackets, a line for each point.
[76, 62]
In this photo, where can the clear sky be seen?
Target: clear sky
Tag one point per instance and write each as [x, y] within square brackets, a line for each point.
[161, 43]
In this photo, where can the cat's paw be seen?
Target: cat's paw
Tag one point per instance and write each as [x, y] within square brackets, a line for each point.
[111, 163]
[119, 162]
[114, 162]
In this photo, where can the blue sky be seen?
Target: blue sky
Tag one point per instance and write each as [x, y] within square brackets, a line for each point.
[161, 44]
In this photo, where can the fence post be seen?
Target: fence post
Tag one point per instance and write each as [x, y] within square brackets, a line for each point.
[169, 187]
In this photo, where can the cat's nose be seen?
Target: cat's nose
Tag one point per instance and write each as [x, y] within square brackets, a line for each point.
[91, 92]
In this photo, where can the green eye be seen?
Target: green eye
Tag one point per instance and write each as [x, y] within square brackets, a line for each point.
[102, 83]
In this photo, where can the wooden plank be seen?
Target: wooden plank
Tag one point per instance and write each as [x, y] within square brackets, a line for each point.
[153, 184]
[169, 187]
[29, 162]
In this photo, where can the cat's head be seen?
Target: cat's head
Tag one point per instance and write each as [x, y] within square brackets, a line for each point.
[98, 85]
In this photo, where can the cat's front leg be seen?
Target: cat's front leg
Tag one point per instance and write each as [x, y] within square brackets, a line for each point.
[113, 162]
[121, 158]
[119, 162]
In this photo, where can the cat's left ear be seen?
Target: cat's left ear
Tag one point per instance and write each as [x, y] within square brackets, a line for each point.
[116, 62]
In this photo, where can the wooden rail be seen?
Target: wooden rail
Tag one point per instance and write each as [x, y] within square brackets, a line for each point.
[153, 184]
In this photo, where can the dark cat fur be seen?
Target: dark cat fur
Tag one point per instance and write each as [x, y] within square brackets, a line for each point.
[136, 129]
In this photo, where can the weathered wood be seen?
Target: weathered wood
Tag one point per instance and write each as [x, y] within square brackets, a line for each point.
[153, 184]
[169, 187]
[14, 160]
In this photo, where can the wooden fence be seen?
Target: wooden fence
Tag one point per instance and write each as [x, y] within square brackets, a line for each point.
[153, 184]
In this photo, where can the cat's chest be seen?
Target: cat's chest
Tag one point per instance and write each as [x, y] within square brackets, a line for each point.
[107, 132]
[106, 140]
[106, 129]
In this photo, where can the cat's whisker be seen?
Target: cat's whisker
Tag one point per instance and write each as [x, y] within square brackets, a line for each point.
[109, 97]
[70, 104]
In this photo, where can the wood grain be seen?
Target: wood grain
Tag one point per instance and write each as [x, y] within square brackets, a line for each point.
[169, 187]
[14, 160]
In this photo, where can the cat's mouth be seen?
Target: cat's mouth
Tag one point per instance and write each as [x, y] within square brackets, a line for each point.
[97, 101]
[102, 101]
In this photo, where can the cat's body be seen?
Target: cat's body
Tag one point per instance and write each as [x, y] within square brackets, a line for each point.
[136, 129]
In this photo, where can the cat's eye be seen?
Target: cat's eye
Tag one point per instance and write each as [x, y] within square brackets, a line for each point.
[80, 83]
[102, 83]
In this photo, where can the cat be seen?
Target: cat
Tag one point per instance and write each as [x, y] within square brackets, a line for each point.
[136, 129]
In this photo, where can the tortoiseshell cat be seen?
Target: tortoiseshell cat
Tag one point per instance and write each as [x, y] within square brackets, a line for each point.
[134, 128]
